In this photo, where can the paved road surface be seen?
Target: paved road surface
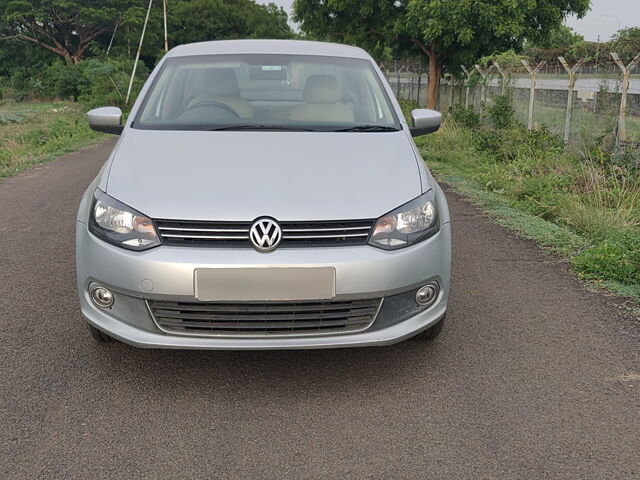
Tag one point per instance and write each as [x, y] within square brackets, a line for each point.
[533, 377]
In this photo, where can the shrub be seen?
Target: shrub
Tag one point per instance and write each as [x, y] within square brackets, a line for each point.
[501, 112]
[465, 117]
[616, 258]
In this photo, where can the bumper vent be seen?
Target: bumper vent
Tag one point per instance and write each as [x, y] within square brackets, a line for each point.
[236, 234]
[272, 319]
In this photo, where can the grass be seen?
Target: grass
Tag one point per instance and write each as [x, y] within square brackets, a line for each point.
[35, 132]
[586, 211]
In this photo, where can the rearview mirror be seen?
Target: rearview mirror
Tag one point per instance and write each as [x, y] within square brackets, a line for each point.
[425, 121]
[106, 120]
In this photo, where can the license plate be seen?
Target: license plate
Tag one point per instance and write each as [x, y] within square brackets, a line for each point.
[265, 284]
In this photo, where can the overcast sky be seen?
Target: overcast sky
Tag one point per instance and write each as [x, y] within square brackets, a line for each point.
[606, 17]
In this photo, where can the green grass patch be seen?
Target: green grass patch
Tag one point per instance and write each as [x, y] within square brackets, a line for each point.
[35, 132]
[586, 211]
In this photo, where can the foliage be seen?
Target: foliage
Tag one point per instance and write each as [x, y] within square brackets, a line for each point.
[64, 27]
[465, 117]
[501, 112]
[35, 132]
[626, 43]
[447, 32]
[560, 37]
[200, 20]
[589, 209]
[616, 258]
[509, 60]
[93, 82]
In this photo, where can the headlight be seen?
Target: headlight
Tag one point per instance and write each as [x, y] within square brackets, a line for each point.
[409, 224]
[116, 223]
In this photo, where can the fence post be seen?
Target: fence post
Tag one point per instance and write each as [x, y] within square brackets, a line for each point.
[533, 72]
[411, 87]
[483, 89]
[503, 74]
[626, 70]
[418, 92]
[572, 84]
[451, 86]
[466, 84]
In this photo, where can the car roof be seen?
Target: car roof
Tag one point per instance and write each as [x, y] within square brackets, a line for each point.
[291, 47]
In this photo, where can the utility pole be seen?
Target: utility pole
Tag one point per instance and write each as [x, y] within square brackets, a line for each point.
[166, 35]
[135, 63]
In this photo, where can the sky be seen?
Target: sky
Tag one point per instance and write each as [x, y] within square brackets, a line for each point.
[605, 18]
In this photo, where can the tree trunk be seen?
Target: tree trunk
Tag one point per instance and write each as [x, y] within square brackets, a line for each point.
[433, 83]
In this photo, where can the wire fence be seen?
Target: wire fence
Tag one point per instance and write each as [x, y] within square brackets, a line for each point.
[585, 105]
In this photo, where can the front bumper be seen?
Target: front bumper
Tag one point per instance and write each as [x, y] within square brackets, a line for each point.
[167, 273]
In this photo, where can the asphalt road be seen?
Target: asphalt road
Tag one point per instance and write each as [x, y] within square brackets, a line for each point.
[533, 376]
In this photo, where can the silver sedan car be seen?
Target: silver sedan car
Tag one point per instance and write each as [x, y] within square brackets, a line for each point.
[264, 195]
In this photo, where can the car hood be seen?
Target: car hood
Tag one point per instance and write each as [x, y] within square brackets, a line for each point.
[291, 176]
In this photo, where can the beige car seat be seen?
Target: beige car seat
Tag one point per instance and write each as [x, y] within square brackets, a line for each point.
[221, 85]
[322, 102]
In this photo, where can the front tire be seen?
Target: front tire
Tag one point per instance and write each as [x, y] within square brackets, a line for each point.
[431, 333]
[99, 335]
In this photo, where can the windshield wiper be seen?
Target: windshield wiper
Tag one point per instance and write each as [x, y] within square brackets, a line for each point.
[367, 128]
[260, 127]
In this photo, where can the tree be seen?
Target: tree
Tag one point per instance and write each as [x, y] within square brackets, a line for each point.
[64, 27]
[447, 32]
[68, 27]
[201, 20]
[626, 43]
[561, 37]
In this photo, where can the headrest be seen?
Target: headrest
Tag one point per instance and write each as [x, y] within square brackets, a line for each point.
[221, 81]
[321, 89]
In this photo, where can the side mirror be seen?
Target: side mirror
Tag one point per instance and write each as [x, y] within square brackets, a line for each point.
[425, 121]
[106, 120]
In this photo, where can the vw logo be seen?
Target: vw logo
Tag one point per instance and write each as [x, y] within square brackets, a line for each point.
[265, 234]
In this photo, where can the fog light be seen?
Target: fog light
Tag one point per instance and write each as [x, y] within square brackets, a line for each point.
[101, 297]
[427, 294]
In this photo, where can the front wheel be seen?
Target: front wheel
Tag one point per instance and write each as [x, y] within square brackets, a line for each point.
[431, 333]
[99, 335]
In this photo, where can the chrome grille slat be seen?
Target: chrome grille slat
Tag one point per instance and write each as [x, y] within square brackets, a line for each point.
[206, 237]
[264, 318]
[295, 230]
[210, 230]
[236, 234]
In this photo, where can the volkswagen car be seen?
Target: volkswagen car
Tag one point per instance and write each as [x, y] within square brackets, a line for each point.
[264, 195]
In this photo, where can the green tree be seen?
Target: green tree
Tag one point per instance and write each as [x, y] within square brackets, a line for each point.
[561, 37]
[626, 43]
[64, 27]
[447, 32]
[202, 20]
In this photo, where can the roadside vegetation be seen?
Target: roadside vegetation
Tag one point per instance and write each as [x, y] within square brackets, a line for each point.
[34, 132]
[584, 204]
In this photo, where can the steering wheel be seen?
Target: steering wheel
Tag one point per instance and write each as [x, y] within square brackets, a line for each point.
[213, 103]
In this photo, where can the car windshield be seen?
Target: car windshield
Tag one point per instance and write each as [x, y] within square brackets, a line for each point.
[267, 92]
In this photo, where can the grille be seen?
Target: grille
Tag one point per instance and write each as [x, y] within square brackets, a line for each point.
[236, 234]
[253, 319]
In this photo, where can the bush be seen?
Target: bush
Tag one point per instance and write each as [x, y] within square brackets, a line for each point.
[465, 117]
[501, 112]
[94, 82]
[616, 258]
